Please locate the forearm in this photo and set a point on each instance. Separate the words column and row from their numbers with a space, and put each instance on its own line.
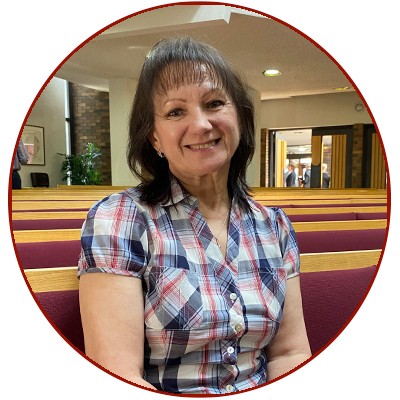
column 281, row 365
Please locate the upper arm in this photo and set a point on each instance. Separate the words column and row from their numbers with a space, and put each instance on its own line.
column 291, row 337
column 112, row 315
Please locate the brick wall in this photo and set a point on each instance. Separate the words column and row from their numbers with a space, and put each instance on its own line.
column 90, row 123
column 357, row 159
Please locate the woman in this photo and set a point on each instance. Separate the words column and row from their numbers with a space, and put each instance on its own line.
column 211, row 268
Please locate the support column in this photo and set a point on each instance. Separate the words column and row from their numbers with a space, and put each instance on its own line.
column 122, row 92
column 253, row 171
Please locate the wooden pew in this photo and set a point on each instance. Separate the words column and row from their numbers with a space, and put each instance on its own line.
column 66, row 203
column 46, row 235
column 41, row 215
column 296, row 191
column 55, row 194
column 333, row 210
column 326, row 202
column 65, row 278
column 262, row 194
column 325, row 313
column 24, row 215
column 31, row 236
column 50, row 205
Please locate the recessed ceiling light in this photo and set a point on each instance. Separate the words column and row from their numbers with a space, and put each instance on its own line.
column 341, row 88
column 272, row 72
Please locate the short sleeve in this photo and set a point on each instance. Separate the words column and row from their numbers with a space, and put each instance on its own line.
column 288, row 243
column 114, row 238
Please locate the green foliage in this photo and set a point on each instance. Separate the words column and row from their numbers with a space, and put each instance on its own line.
column 83, row 169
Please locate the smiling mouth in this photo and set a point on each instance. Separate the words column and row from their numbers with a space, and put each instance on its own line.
column 203, row 146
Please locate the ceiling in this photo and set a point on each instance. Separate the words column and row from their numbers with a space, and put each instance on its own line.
column 251, row 41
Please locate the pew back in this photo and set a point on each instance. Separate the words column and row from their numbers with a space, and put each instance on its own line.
column 51, row 235
column 330, row 300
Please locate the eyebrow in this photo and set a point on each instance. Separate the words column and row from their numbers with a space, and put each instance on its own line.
column 211, row 91
column 174, row 99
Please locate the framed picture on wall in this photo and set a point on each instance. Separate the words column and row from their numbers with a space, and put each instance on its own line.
column 33, row 139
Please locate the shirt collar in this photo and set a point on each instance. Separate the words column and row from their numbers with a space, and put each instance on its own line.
column 178, row 194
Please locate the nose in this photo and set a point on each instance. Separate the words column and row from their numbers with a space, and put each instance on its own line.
column 200, row 121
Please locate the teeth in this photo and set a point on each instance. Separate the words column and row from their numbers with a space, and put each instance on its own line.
column 203, row 146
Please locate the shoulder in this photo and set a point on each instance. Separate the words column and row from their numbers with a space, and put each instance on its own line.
column 272, row 215
column 123, row 205
column 117, row 215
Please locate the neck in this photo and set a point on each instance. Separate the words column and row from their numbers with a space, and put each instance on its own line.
column 211, row 192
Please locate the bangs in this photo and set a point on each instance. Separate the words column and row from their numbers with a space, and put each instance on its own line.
column 179, row 73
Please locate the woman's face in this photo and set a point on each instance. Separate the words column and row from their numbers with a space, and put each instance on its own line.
column 196, row 128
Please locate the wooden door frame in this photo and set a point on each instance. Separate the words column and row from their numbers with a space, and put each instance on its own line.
column 331, row 131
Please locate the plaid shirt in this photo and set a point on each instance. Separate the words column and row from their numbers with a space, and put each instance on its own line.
column 208, row 318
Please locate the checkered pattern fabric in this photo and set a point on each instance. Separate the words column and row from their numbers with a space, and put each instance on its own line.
column 208, row 317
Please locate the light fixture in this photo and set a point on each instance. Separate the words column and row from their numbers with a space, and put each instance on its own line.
column 272, row 72
column 341, row 88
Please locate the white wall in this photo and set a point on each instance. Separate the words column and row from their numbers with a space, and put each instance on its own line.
column 121, row 92
column 49, row 112
column 253, row 170
column 304, row 111
column 312, row 111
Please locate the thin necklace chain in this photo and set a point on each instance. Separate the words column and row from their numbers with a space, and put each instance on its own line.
column 223, row 227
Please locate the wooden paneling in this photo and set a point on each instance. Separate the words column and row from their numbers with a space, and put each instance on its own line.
column 378, row 170
column 338, row 166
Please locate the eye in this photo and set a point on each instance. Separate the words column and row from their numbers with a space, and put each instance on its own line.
column 176, row 112
column 215, row 103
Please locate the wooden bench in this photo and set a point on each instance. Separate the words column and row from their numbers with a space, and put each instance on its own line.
column 97, row 192
column 24, row 215
column 330, row 297
column 333, row 210
column 42, row 215
column 64, row 278
column 49, row 205
column 267, row 200
column 48, row 235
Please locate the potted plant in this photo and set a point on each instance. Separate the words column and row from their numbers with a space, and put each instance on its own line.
column 83, row 169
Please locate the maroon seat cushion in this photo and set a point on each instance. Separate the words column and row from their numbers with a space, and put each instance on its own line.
column 371, row 215
column 30, row 224
column 62, row 310
column 323, row 217
column 48, row 254
column 345, row 240
column 330, row 300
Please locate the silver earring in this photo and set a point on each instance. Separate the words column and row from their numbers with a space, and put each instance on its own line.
column 159, row 153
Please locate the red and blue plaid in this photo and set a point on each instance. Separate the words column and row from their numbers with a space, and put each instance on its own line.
column 208, row 317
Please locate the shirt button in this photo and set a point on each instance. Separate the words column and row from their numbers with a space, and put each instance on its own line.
column 238, row 328
column 229, row 388
column 230, row 350
column 233, row 296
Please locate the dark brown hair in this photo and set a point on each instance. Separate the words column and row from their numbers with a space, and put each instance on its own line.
column 171, row 63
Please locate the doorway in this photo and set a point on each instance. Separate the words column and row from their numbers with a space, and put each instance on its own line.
column 287, row 146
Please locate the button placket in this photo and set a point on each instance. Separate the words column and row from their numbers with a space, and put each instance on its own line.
column 229, row 388
column 228, row 352
column 233, row 297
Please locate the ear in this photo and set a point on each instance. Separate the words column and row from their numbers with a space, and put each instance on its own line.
column 154, row 140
